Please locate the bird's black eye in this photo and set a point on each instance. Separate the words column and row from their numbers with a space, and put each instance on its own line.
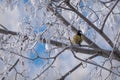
column 79, row 32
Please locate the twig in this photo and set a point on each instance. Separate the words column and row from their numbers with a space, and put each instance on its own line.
column 14, row 65
column 11, row 68
column 108, row 15
column 7, row 32
column 43, row 71
column 3, row 27
column 107, row 1
column 95, row 64
column 50, row 64
column 64, row 8
column 91, row 24
column 76, row 67
column 72, row 27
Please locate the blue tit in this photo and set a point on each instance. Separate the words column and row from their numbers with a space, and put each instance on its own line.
column 78, row 38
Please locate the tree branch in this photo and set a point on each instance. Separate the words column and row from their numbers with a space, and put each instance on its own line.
column 76, row 67
column 6, row 32
column 14, row 65
column 50, row 64
column 91, row 24
column 95, row 64
column 108, row 15
column 3, row 27
column 92, row 51
column 104, row 53
column 72, row 27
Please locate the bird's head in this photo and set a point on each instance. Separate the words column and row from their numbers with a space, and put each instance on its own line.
column 79, row 32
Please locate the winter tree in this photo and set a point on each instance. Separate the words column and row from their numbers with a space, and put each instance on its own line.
column 36, row 40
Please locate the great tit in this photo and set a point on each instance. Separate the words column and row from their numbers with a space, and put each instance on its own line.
column 78, row 38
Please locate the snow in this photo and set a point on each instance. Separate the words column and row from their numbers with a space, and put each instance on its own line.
column 31, row 18
column 10, row 19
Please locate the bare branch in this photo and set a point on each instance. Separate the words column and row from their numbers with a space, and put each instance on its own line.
column 92, row 25
column 3, row 27
column 65, row 8
column 102, row 52
column 107, row 1
column 6, row 32
column 72, row 27
column 108, row 15
column 76, row 67
column 89, row 62
column 16, row 54
column 14, row 65
column 44, row 70
column 50, row 64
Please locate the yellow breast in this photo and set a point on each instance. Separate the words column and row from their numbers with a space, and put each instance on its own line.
column 77, row 39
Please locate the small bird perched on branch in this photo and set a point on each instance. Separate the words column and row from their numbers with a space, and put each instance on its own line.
column 78, row 38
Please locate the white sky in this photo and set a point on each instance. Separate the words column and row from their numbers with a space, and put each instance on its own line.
column 10, row 19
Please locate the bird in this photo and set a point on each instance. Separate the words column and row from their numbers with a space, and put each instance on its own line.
column 78, row 38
